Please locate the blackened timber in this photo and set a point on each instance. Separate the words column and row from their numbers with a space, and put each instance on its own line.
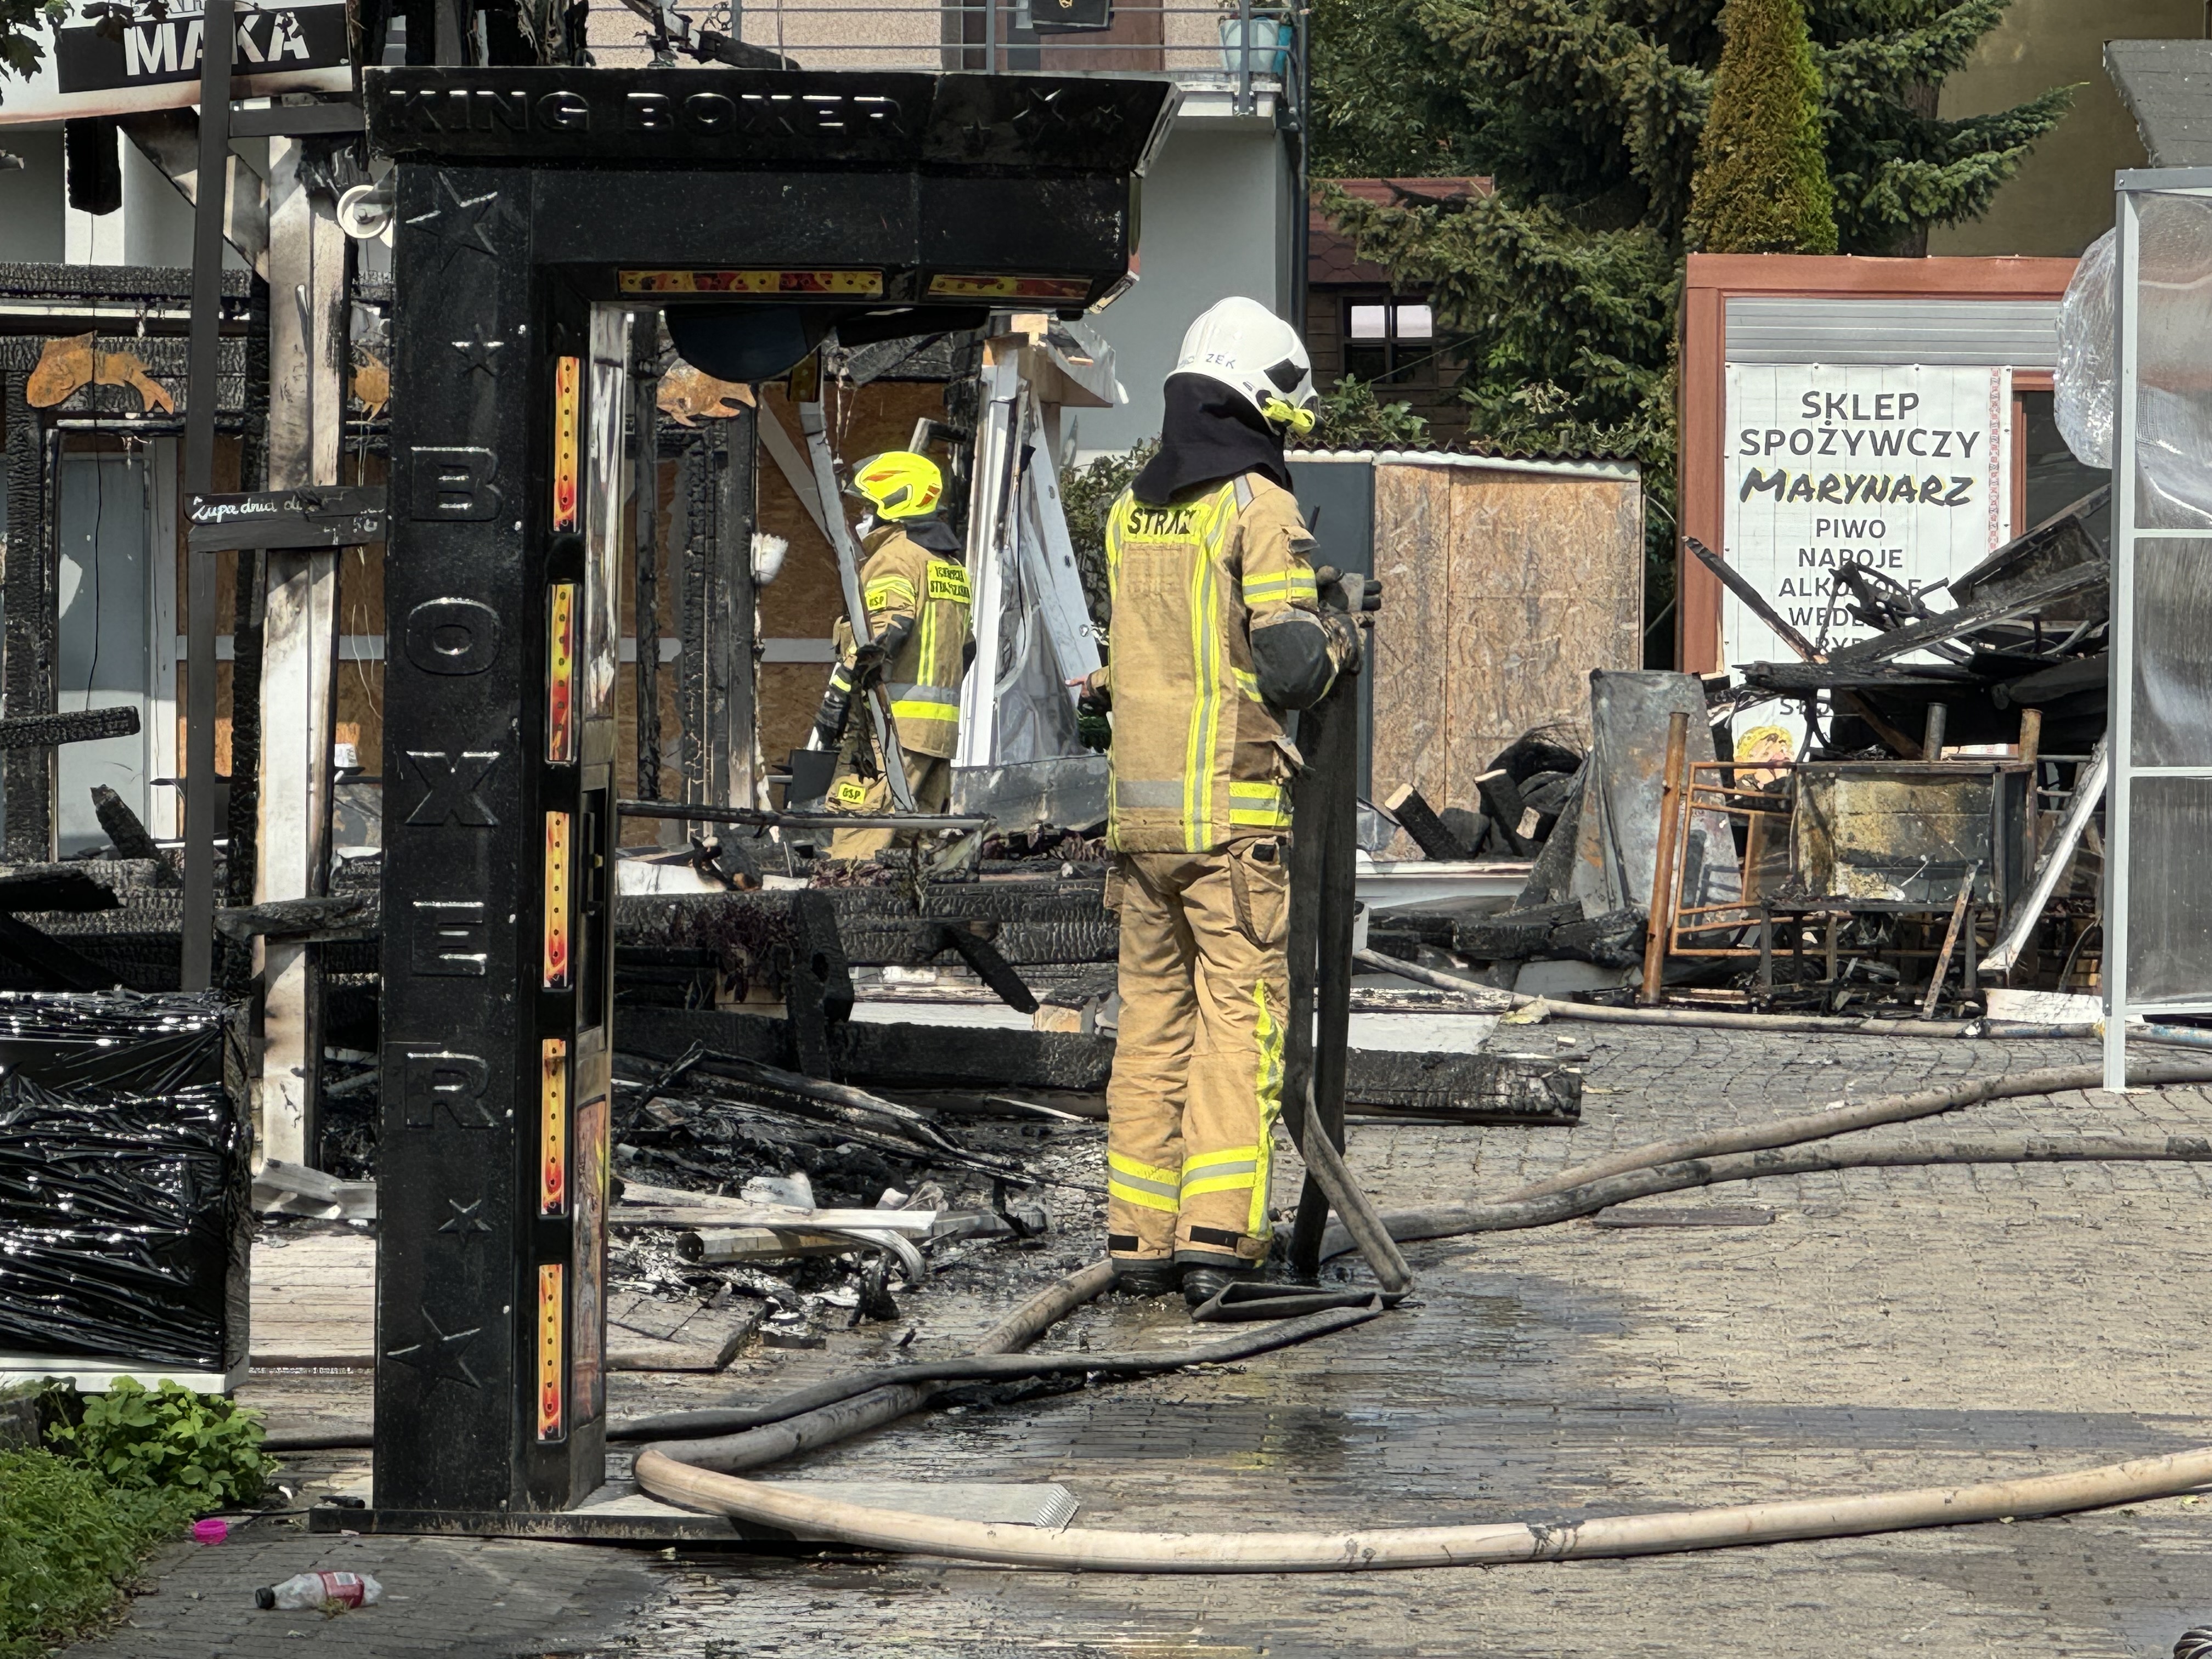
column 1418, row 819
column 1496, row 1089
column 645, row 510
column 122, row 827
column 993, row 970
column 2006, row 602
column 26, row 661
column 78, row 725
column 55, row 887
column 817, row 985
column 55, row 964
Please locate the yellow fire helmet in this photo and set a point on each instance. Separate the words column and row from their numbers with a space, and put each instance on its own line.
column 897, row 484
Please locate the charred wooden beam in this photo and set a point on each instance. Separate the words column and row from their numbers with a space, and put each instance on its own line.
column 56, row 965
column 1495, row 1089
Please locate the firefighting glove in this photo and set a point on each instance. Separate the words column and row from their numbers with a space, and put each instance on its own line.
column 1096, row 697
column 1347, row 591
column 1343, row 639
column 837, row 709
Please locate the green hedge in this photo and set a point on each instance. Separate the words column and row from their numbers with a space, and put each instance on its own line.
column 67, row 1540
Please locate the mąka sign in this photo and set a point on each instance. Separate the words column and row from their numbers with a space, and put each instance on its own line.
column 153, row 62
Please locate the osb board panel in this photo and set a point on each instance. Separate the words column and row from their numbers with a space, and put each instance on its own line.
column 1413, row 547
column 1502, row 592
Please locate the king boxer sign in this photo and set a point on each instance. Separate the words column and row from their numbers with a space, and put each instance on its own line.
column 153, row 62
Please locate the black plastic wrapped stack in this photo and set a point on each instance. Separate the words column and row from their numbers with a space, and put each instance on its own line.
column 125, row 1187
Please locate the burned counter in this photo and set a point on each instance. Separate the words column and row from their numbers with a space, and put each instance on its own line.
column 536, row 210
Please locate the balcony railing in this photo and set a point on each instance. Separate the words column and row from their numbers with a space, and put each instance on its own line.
column 1250, row 57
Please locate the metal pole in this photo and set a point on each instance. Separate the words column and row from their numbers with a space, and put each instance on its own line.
column 197, row 941
column 876, row 700
column 1244, row 56
column 2119, row 737
column 1323, row 825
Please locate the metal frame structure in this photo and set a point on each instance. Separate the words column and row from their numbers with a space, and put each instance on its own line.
column 2131, row 539
column 541, row 212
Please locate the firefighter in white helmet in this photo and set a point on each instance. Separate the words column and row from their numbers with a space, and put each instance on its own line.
column 1220, row 623
column 914, row 584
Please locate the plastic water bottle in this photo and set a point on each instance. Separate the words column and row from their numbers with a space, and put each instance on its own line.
column 306, row 1590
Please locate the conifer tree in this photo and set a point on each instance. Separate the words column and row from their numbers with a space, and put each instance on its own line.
column 1762, row 180
column 1589, row 115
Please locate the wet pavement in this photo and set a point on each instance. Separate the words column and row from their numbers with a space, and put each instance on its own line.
column 1888, row 1328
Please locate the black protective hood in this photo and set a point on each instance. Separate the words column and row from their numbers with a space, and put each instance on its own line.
column 1209, row 433
column 931, row 533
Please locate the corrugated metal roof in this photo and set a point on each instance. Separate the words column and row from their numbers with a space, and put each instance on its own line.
column 1993, row 333
column 1623, row 470
column 2167, row 87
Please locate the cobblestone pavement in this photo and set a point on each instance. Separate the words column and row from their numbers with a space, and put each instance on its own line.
column 1889, row 1327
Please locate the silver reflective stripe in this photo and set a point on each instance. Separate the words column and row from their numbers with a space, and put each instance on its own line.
column 1243, row 492
column 1208, row 1171
column 947, row 695
column 1123, row 1178
column 1141, row 792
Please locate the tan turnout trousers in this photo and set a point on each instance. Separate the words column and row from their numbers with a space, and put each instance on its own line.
column 930, row 778
column 1198, row 1072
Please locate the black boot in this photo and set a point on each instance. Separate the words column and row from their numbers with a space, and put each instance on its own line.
column 1147, row 1276
column 1201, row 1285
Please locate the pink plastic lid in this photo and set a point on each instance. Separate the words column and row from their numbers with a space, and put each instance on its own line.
column 212, row 1529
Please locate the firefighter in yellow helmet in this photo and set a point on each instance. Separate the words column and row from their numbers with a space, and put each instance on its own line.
column 1219, row 627
column 914, row 584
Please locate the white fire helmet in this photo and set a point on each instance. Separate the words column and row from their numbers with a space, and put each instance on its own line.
column 1246, row 347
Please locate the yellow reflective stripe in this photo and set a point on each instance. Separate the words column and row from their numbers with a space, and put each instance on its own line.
column 1142, row 1198
column 887, row 590
column 948, row 581
column 1228, row 1171
column 926, row 711
column 1259, row 805
column 1230, row 1157
column 1145, row 1185
column 841, row 678
column 1286, row 589
column 1267, row 1035
column 1122, row 1163
column 1248, row 683
column 1221, row 1183
column 1208, row 661
column 925, row 659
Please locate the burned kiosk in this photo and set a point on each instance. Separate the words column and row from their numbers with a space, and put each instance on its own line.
column 538, row 212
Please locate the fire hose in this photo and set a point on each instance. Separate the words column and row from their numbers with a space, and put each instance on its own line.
column 1733, row 1154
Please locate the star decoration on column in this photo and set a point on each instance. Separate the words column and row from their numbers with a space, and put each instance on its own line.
column 459, row 219
column 464, row 1220
column 439, row 1356
column 478, row 351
